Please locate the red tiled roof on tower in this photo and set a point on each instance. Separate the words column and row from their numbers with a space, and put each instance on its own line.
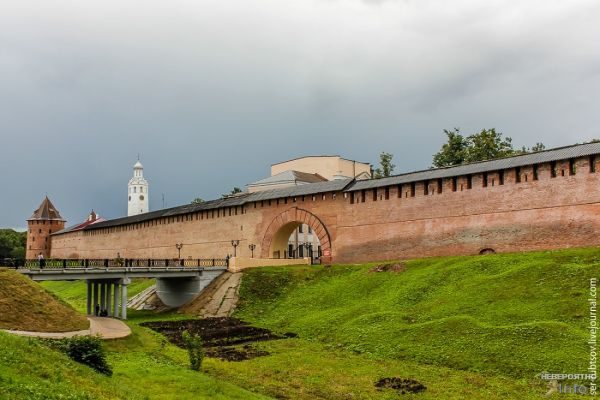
column 46, row 211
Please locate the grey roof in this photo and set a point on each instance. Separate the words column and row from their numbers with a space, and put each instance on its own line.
column 561, row 153
column 289, row 176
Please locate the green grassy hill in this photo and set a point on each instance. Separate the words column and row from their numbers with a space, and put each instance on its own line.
column 513, row 315
column 25, row 305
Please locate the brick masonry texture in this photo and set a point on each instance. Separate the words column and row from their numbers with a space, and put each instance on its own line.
column 381, row 224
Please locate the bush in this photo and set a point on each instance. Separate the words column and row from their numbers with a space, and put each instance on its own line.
column 87, row 350
column 193, row 344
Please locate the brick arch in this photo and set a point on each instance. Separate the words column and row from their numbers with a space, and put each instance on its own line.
column 300, row 216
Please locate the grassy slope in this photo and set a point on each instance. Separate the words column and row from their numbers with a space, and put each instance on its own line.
column 467, row 327
column 75, row 292
column 24, row 305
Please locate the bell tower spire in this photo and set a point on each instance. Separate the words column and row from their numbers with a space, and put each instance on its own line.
column 137, row 191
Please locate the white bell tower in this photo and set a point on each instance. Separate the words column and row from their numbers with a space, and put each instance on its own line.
column 138, row 191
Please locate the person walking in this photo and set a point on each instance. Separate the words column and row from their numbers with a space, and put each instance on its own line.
column 42, row 261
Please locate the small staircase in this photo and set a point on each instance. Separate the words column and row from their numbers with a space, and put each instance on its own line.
column 218, row 299
column 146, row 300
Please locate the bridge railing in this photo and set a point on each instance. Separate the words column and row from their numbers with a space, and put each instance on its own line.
column 148, row 263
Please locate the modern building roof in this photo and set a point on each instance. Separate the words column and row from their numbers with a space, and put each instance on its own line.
column 46, row 211
column 348, row 185
column 320, row 156
column 290, row 176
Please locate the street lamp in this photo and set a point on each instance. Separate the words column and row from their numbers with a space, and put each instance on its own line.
column 235, row 244
column 178, row 246
column 308, row 247
column 252, row 247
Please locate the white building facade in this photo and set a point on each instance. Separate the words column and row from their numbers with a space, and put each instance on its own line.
column 137, row 192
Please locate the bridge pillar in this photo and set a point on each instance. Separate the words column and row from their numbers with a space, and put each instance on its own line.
column 109, row 295
column 95, row 298
column 89, row 297
column 102, row 296
column 124, row 283
column 116, row 301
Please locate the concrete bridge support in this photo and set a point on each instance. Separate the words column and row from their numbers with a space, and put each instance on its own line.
column 107, row 295
column 175, row 292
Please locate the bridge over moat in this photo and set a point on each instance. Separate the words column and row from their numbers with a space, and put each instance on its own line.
column 177, row 281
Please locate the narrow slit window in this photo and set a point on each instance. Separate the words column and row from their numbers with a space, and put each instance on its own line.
column 469, row 181
column 413, row 189
column 592, row 164
column 440, row 184
column 363, row 196
column 374, row 194
column 387, row 192
column 454, row 183
column 518, row 174
column 501, row 177
column 484, row 179
column 572, row 167
column 426, row 188
column 535, row 172
column 553, row 171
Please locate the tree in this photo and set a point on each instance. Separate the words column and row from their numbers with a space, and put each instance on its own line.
column 484, row 145
column 454, row 151
column 233, row 192
column 198, row 200
column 12, row 243
column 487, row 145
column 386, row 167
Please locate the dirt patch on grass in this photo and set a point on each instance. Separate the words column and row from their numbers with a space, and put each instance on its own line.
column 392, row 267
column 225, row 338
column 402, row 385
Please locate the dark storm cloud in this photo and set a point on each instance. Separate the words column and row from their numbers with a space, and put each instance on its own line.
column 212, row 92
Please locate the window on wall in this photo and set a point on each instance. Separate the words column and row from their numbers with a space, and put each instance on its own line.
column 454, row 183
column 592, row 162
column 134, row 189
column 484, row 179
column 426, row 188
column 387, row 192
column 572, row 167
column 518, row 174
column 440, row 185
column 300, row 229
column 399, row 188
column 351, row 197
column 469, row 181
column 363, row 196
column 501, row 177
column 553, row 169
column 374, row 194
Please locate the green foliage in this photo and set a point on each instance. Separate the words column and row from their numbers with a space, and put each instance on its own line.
column 198, row 200
column 385, row 165
column 86, row 350
column 193, row 344
column 233, row 192
column 12, row 243
column 484, row 145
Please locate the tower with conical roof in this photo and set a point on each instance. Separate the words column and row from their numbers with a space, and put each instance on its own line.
column 45, row 221
column 137, row 202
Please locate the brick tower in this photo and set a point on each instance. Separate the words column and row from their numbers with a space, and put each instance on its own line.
column 44, row 221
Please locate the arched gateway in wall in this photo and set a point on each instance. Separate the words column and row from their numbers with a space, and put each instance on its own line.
column 276, row 237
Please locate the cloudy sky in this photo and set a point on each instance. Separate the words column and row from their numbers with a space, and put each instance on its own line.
column 210, row 93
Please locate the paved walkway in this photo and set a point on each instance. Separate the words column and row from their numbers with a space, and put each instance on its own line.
column 107, row 328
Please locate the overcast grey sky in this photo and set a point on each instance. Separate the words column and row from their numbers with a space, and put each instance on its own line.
column 213, row 92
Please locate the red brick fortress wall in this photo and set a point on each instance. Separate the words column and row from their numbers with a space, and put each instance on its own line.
column 515, row 209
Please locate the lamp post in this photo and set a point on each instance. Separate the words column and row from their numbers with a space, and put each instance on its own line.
column 235, row 244
column 178, row 246
column 308, row 247
column 252, row 247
